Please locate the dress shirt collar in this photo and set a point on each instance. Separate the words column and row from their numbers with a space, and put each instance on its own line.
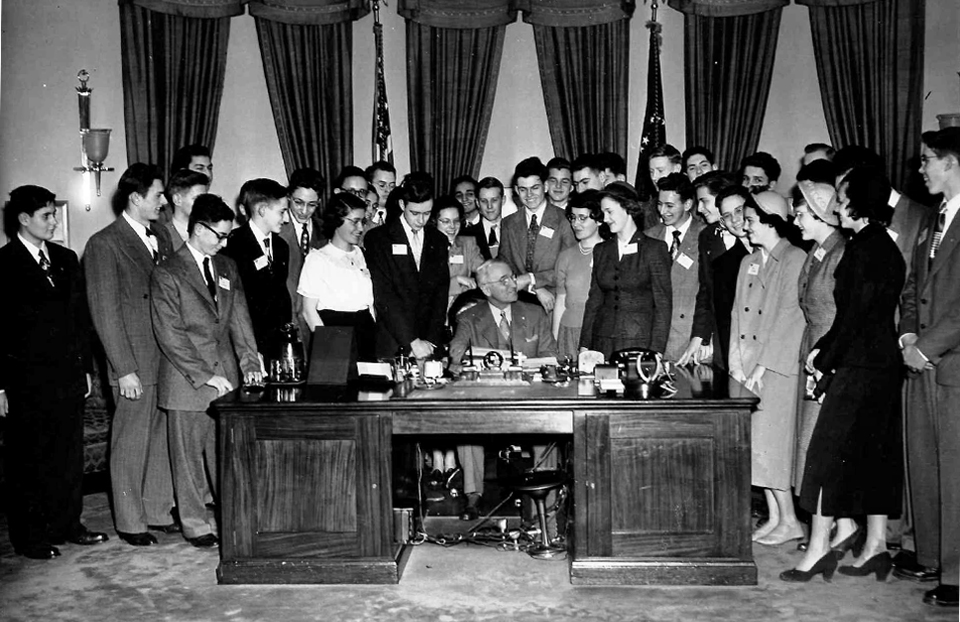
column 259, row 235
column 506, row 312
column 951, row 208
column 35, row 250
column 894, row 198
column 474, row 219
column 682, row 229
column 198, row 257
column 141, row 232
column 409, row 231
column 488, row 225
column 528, row 213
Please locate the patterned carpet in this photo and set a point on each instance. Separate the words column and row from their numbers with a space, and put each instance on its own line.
column 176, row 582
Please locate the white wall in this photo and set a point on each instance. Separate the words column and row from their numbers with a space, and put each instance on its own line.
column 45, row 42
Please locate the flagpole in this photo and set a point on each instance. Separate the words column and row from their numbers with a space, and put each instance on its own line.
column 654, row 129
column 382, row 143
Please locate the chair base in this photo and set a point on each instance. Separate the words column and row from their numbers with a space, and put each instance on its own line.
column 548, row 552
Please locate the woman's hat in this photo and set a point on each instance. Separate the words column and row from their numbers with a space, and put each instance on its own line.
column 820, row 200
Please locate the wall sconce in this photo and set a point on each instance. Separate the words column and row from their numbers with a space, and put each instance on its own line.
column 95, row 143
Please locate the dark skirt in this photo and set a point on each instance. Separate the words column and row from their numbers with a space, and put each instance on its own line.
column 856, row 453
column 365, row 334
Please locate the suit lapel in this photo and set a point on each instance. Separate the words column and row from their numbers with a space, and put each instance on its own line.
column 133, row 246
column 948, row 244
column 190, row 273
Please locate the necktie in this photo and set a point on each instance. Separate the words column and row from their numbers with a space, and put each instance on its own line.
column 504, row 330
column 492, row 238
column 304, row 240
column 266, row 245
column 45, row 266
column 938, row 232
column 152, row 241
column 675, row 247
column 208, row 276
column 532, row 232
column 417, row 247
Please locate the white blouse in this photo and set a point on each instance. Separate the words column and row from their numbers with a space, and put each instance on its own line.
column 339, row 281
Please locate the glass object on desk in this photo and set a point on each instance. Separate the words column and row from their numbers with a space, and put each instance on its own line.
column 288, row 366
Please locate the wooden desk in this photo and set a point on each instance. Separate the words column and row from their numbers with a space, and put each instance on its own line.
column 661, row 492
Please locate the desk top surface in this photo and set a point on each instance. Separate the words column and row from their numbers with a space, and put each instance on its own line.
column 697, row 386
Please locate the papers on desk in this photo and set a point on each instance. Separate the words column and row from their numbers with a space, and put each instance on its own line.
column 534, row 363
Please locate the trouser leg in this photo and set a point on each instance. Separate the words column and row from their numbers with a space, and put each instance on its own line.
column 949, row 452
column 923, row 467
column 158, row 477
column 64, row 477
column 189, row 433
column 471, row 459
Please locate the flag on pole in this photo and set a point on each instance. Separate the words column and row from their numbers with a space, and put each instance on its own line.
column 382, row 142
column 654, row 132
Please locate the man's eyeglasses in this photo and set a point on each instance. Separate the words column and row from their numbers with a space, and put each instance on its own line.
column 220, row 236
column 504, row 280
column 300, row 203
column 357, row 192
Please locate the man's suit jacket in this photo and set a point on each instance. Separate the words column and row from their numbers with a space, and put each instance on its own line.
column 710, row 246
column 530, row 332
column 630, row 300
column 908, row 217
column 118, row 266
column 410, row 303
column 476, row 231
column 684, row 283
column 931, row 300
column 199, row 338
column 175, row 239
column 268, row 299
column 290, row 233
column 513, row 246
column 44, row 328
column 724, row 269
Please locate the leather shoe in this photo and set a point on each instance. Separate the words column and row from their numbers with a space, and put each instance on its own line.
column 205, row 541
column 39, row 551
column 85, row 537
column 943, row 596
column 137, row 539
column 168, row 529
column 905, row 566
column 471, row 511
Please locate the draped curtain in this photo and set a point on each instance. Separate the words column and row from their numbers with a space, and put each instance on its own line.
column 173, row 63
column 729, row 50
column 869, row 56
column 307, row 50
column 453, row 62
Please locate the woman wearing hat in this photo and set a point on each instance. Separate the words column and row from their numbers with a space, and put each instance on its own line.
column 815, row 218
column 766, row 326
column 854, row 463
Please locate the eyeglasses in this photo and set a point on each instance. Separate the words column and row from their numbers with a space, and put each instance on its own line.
column 734, row 215
column 356, row 221
column 300, row 203
column 924, row 159
column 504, row 280
column 220, row 236
column 357, row 192
column 579, row 218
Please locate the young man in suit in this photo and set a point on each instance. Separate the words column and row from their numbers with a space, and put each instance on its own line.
column 382, row 177
column 184, row 186
column 411, row 277
column 118, row 262
column 487, row 232
column 44, row 377
column 681, row 231
column 930, row 329
column 502, row 323
column 698, row 161
column 587, row 174
column 303, row 232
column 534, row 236
column 203, row 327
column 465, row 188
column 559, row 182
column 195, row 158
column 263, row 260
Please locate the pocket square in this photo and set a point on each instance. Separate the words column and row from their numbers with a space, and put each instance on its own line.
column 531, row 338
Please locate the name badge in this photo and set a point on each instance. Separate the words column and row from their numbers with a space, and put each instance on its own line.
column 893, row 234
column 754, row 269
column 399, row 249
column 223, row 283
column 819, row 254
column 261, row 262
column 546, row 232
column 684, row 261
column 923, row 237
column 630, row 249
column 456, row 259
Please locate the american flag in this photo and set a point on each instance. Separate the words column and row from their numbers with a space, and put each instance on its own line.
column 654, row 131
column 382, row 143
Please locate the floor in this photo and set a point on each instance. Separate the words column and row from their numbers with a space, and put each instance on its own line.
column 176, row 582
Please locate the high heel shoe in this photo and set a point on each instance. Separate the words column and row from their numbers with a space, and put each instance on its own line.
column 826, row 565
column 854, row 541
column 880, row 564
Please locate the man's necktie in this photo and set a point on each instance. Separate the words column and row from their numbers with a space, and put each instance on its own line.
column 45, row 266
column 417, row 247
column 938, row 232
column 532, row 233
column 675, row 247
column 266, row 245
column 304, row 240
column 505, row 330
column 492, row 238
column 208, row 276
column 152, row 240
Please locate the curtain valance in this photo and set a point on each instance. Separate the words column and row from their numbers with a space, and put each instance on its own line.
column 726, row 8
column 574, row 13
column 832, row 3
column 462, row 15
column 316, row 12
column 192, row 8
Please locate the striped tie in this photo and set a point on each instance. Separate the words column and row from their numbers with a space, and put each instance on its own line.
column 938, row 232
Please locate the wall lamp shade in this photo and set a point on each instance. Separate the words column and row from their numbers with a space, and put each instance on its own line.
column 96, row 145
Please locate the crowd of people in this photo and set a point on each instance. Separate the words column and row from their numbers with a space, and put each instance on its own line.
column 837, row 307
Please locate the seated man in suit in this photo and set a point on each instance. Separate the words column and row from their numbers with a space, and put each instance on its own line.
column 44, row 377
column 182, row 189
column 262, row 258
column 534, row 236
column 504, row 324
column 681, row 231
column 203, row 327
